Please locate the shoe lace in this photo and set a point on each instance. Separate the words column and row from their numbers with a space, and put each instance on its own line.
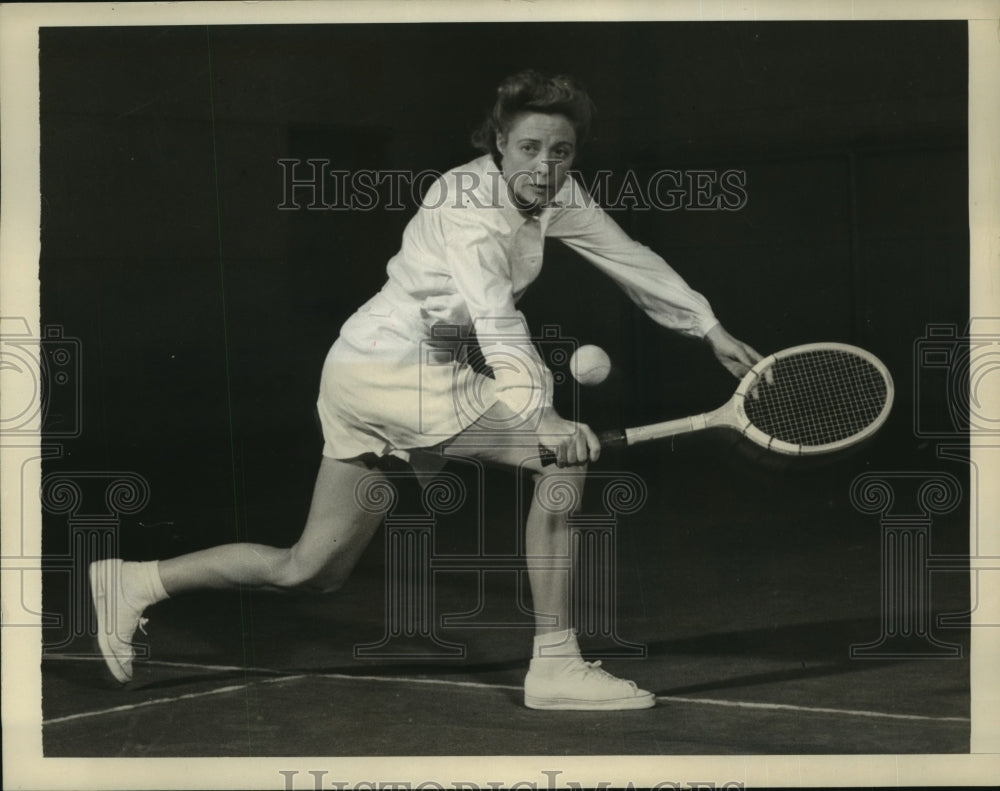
column 142, row 625
column 594, row 668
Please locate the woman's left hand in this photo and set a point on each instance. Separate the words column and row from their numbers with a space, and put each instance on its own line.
column 735, row 356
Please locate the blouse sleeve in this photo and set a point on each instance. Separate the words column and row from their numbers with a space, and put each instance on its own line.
column 481, row 272
column 647, row 279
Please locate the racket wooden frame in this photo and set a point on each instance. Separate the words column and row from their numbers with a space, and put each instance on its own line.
column 732, row 415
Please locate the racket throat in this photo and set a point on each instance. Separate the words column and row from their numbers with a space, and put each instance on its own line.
column 676, row 428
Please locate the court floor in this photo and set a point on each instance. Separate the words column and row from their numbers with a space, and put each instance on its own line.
column 740, row 619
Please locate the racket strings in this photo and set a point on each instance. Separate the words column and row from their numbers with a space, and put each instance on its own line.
column 818, row 397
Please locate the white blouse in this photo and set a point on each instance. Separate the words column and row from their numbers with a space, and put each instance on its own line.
column 466, row 258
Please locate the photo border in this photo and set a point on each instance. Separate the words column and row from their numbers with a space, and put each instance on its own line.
column 24, row 766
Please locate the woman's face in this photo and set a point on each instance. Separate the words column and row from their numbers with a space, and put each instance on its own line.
column 536, row 154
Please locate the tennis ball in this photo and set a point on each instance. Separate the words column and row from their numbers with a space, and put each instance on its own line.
column 590, row 365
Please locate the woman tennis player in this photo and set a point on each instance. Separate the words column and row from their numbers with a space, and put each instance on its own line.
column 468, row 254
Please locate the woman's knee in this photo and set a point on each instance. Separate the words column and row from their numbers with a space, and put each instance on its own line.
column 343, row 517
column 303, row 574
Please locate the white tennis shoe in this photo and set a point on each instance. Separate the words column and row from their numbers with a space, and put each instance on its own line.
column 117, row 619
column 576, row 684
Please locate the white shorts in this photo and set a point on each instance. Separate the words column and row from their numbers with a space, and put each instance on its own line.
column 385, row 390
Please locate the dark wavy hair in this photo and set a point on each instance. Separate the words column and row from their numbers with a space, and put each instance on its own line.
column 531, row 91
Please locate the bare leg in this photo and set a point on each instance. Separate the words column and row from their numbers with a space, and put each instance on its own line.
column 547, row 536
column 547, row 545
column 337, row 531
column 557, row 678
column 341, row 522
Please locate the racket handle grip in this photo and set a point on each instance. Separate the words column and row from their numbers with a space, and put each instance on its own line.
column 547, row 456
column 613, row 438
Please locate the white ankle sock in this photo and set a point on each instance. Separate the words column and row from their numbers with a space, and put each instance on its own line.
column 556, row 645
column 141, row 584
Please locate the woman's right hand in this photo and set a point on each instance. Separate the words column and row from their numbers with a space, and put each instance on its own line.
column 571, row 443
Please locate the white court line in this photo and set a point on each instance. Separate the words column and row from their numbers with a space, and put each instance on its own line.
column 811, row 709
column 411, row 680
column 463, row 684
column 158, row 701
column 164, row 663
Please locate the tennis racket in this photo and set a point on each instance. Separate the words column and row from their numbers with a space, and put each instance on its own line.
column 809, row 399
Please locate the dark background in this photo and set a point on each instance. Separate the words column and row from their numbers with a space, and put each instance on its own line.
column 204, row 313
